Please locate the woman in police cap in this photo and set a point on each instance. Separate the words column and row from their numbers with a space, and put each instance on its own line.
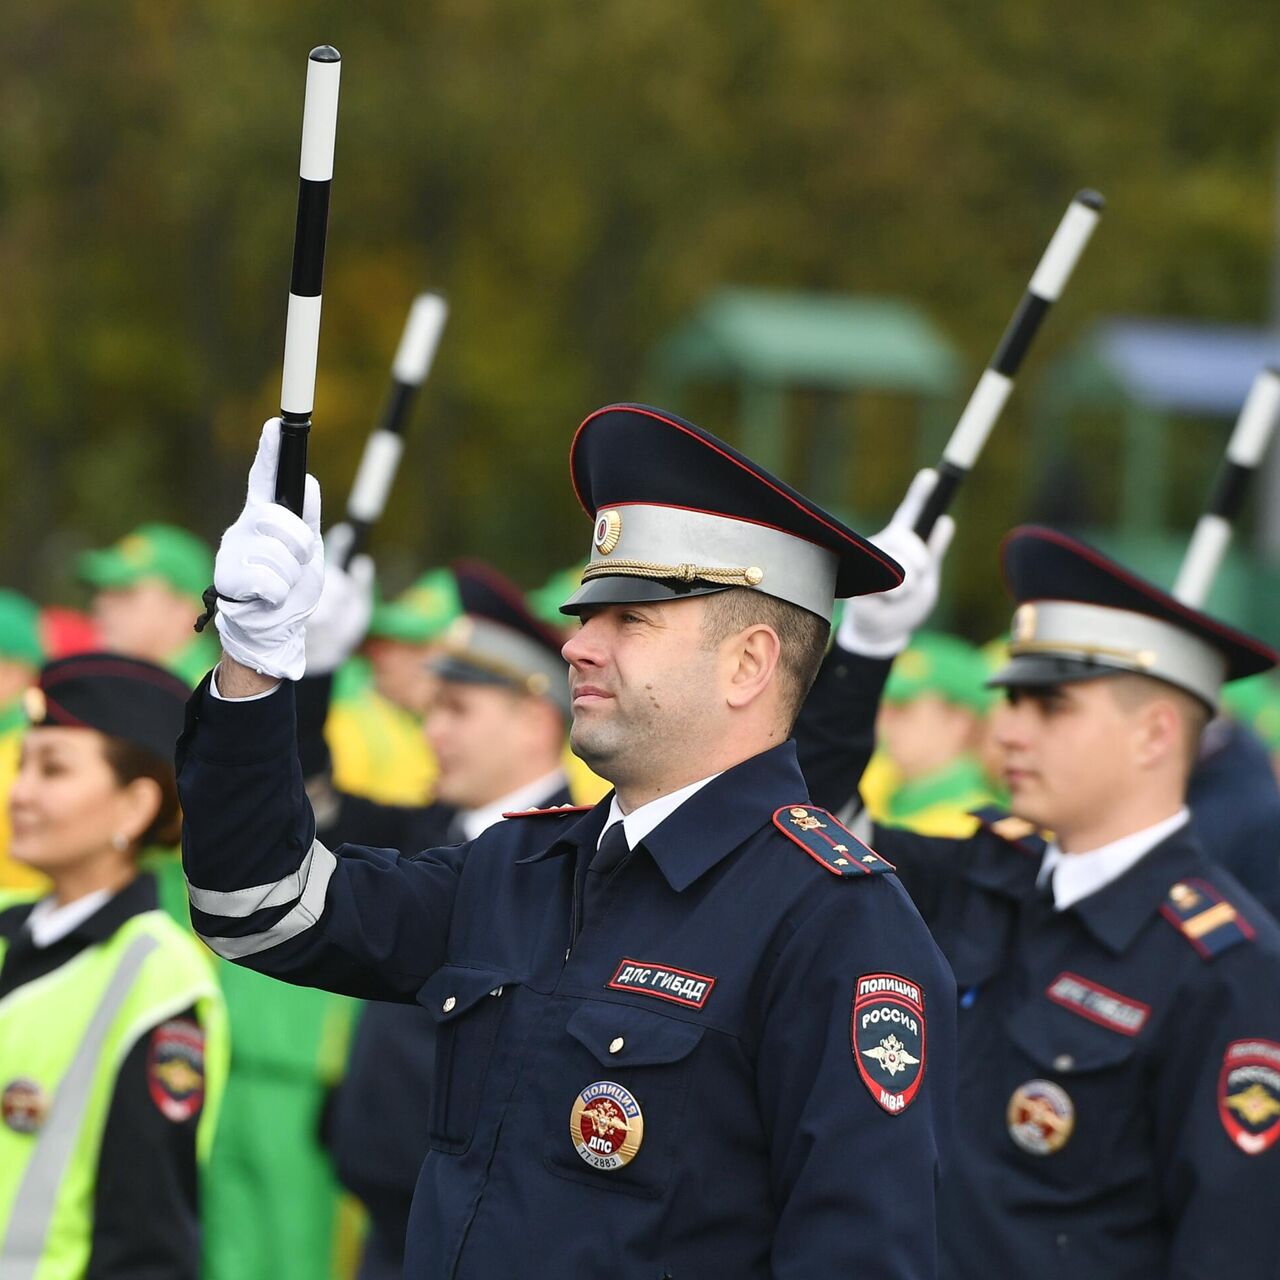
column 112, row 1032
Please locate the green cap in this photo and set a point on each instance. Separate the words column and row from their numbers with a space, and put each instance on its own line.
column 943, row 665
column 161, row 551
column 1256, row 702
column 421, row 612
column 545, row 601
column 20, row 629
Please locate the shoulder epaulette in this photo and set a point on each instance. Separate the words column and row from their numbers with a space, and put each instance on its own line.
column 556, row 811
column 1018, row 832
column 1205, row 918
column 828, row 842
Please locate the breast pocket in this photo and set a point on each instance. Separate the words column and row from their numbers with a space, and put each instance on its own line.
column 467, row 1006
column 1075, row 1110
column 615, row 1107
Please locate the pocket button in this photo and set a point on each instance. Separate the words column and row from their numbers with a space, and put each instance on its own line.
column 450, row 1004
column 616, row 1045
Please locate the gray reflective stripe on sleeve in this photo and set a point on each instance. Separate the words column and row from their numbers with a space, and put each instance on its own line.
column 320, row 864
column 33, row 1205
column 238, row 903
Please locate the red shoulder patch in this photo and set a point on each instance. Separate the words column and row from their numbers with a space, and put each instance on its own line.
column 175, row 1069
column 556, row 811
column 1249, row 1094
column 888, row 1035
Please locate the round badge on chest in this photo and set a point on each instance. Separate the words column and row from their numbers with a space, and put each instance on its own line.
column 1041, row 1117
column 24, row 1105
column 606, row 1125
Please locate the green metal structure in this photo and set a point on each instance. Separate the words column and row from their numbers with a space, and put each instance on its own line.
column 1150, row 376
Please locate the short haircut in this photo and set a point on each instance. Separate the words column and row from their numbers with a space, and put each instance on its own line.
column 802, row 635
column 1135, row 691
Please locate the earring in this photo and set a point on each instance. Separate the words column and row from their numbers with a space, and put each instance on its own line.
column 119, row 842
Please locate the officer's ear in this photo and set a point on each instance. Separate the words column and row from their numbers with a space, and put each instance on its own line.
column 752, row 661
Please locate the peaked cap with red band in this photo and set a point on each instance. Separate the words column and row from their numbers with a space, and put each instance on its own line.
column 121, row 697
column 498, row 640
column 680, row 513
column 1082, row 616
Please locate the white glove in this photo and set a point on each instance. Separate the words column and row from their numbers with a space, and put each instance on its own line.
column 341, row 618
column 269, row 571
column 880, row 626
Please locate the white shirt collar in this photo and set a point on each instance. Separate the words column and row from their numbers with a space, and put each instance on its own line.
column 639, row 822
column 49, row 923
column 1077, row 875
column 475, row 822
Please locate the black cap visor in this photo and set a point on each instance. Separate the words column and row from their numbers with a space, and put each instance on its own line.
column 1045, row 670
column 623, row 589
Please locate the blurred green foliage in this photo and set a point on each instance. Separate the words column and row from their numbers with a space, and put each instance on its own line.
column 575, row 177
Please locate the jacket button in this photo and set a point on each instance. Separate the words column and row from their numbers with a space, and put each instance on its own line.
column 450, row 1005
column 1064, row 1062
column 616, row 1045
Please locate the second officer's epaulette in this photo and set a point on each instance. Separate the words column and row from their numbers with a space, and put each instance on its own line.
column 555, row 811
column 828, row 842
column 1205, row 918
column 1005, row 826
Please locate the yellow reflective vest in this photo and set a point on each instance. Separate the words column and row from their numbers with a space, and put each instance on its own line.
column 63, row 1038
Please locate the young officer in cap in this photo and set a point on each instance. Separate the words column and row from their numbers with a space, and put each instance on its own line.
column 497, row 726
column 113, row 1046
column 1119, row 991
column 147, row 589
column 696, row 1030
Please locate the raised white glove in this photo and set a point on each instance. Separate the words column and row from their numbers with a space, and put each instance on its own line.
column 269, row 571
column 880, row 626
column 341, row 618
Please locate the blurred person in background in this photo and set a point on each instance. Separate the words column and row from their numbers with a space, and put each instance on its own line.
column 378, row 699
column 113, row 1041
column 21, row 654
column 1256, row 703
column 1234, row 794
column 497, row 725
column 931, row 726
column 147, row 595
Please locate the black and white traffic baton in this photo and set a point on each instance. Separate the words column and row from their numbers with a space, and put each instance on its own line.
column 989, row 396
column 302, row 327
column 1245, row 450
column 383, row 449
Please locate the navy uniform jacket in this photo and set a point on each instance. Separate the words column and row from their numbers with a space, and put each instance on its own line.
column 1152, row 1007
column 764, row 1153
column 380, row 1131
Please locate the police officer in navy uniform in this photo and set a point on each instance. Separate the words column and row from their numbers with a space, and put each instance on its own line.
column 695, row 1030
column 497, row 728
column 1119, row 991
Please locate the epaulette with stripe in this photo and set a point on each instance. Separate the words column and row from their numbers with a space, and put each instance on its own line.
column 829, row 842
column 1205, row 918
column 556, row 811
column 1018, row 832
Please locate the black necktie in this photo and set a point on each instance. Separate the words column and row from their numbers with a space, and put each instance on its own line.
column 611, row 853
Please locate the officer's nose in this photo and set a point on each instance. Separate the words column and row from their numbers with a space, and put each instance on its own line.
column 582, row 648
column 1009, row 723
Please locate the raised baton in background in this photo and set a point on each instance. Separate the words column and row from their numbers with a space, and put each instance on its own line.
column 302, row 327
column 993, row 387
column 385, row 445
column 1245, row 450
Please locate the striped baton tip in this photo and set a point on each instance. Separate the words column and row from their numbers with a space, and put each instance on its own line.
column 324, row 53
column 1093, row 199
